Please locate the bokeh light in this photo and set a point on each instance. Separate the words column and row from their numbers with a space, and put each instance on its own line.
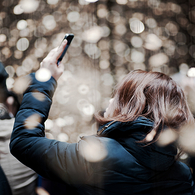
column 22, row 44
column 29, row 6
column 91, row 1
column 191, row 72
column 136, row 25
column 92, row 151
column 43, row 75
column 18, row 10
column 22, row 24
column 32, row 121
column 167, row 137
column 21, row 84
column 93, row 35
column 186, row 139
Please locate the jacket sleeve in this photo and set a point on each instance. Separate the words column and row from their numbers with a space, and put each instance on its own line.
column 55, row 160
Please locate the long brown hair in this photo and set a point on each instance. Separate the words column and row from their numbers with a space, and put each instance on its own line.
column 153, row 95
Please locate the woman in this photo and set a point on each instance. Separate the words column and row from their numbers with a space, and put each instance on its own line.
column 123, row 158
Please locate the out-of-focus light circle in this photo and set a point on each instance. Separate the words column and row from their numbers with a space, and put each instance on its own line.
column 137, row 56
column 91, row 1
column 25, row 32
column 120, row 48
column 21, row 84
column 63, row 137
column 182, row 50
column 18, row 10
column 191, row 72
column 32, row 121
column 6, row 51
column 169, row 47
column 18, row 54
column 107, row 79
column 162, row 33
column 92, row 150
column 136, row 41
column 104, row 64
column 29, row 6
column 83, row 89
column 10, row 83
column 20, row 71
column 39, row 96
column 52, row 2
column 172, row 28
column 22, row 24
column 43, row 75
column 136, row 25
column 69, row 120
column 28, row 64
column 153, row 3
column 175, row 8
column 83, row 2
column 106, row 31
column 153, row 42
column 40, row 30
column 92, row 50
column 120, row 29
column 41, row 43
column 158, row 60
column 122, row 2
column 102, row 12
column 41, row 190
column 186, row 138
column 22, row 44
column 167, row 137
column 49, row 124
column 39, row 52
column 139, row 66
column 93, row 35
column 10, row 70
column 60, row 122
column 183, row 68
column 88, row 109
column 2, row 38
column 184, row 156
column 180, row 38
column 49, row 22
column 113, row 16
column 58, row 16
column 151, row 23
column 138, row 15
column 73, row 16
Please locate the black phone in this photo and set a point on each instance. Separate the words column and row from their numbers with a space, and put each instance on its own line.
column 69, row 38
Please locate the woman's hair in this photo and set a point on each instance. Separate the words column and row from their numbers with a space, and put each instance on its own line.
column 153, row 95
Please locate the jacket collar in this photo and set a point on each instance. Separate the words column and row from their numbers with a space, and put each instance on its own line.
column 125, row 127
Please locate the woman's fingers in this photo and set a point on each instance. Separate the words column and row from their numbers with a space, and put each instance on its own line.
column 60, row 49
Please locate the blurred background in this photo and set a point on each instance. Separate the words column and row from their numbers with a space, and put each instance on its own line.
column 112, row 37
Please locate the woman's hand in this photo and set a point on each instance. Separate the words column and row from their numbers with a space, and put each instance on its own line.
column 50, row 61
